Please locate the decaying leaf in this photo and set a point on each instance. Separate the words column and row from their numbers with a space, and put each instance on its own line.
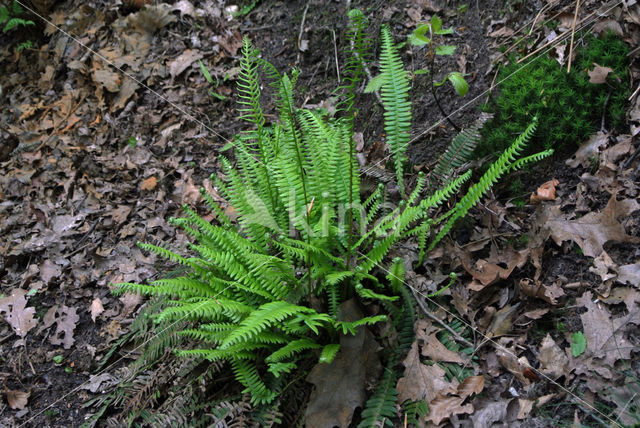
column 599, row 74
column 16, row 313
column 184, row 60
column 17, row 399
column 546, row 192
column 96, row 308
column 553, row 360
column 594, row 229
column 340, row 385
column 588, row 149
column 629, row 274
column 420, row 381
column 432, row 347
column 607, row 336
column 549, row 293
column 65, row 319
column 445, row 405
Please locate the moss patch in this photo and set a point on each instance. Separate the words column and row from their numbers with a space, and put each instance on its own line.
column 568, row 106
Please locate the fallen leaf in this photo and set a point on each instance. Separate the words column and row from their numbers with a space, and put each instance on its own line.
column 607, row 335
column 594, row 229
column 65, row 319
column 420, row 381
column 553, row 360
column 340, row 385
column 149, row 183
column 183, row 61
column 629, row 274
column 548, row 293
column 546, row 192
column 599, row 74
column 16, row 313
column 443, row 407
column 432, row 347
column 109, row 80
column 98, row 383
column 17, row 399
column 524, row 408
column 502, row 321
column 96, row 308
column 588, row 149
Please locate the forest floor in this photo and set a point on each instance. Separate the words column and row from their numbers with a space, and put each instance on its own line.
column 108, row 126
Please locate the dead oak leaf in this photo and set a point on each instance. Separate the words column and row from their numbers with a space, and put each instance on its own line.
column 444, row 406
column 553, row 360
column 629, row 274
column 498, row 266
column 599, row 74
column 65, row 319
column 340, row 385
column 588, row 150
column 17, row 399
column 592, row 230
column 607, row 335
column 16, row 313
column 183, row 61
column 420, row 381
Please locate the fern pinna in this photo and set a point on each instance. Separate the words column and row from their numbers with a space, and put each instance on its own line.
column 263, row 291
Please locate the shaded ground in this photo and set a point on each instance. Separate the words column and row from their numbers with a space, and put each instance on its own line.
column 95, row 160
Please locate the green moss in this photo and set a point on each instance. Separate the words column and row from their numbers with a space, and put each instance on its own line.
column 569, row 107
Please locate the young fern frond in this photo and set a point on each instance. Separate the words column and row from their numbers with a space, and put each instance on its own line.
column 506, row 162
column 460, row 150
column 397, row 108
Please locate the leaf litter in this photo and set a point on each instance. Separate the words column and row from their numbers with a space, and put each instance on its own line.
column 75, row 198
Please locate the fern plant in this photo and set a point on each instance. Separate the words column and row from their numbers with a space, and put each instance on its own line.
column 262, row 292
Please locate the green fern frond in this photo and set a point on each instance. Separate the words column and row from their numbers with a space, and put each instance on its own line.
column 292, row 348
column 460, row 150
column 397, row 108
column 261, row 319
column 380, row 408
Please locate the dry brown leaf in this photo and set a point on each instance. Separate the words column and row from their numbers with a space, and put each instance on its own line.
column 553, row 361
column 149, row 183
column 502, row 321
column 607, row 25
column 599, row 74
column 486, row 272
column 183, row 61
column 546, row 192
column 340, row 385
column 471, row 385
column 65, row 319
column 432, row 347
column 588, row 149
column 16, row 313
column 629, row 274
column 109, row 80
column 17, row 399
column 442, row 407
column 607, row 336
column 592, row 230
column 420, row 381
column 548, row 293
column 96, row 308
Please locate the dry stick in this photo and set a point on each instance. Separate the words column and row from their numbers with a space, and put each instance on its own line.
column 304, row 17
column 552, row 42
column 573, row 32
column 335, row 51
column 428, row 313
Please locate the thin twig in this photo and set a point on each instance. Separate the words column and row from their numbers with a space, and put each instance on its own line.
column 335, row 51
column 428, row 313
column 304, row 18
column 573, row 32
